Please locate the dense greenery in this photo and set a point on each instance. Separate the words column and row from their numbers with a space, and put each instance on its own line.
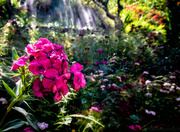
column 132, row 78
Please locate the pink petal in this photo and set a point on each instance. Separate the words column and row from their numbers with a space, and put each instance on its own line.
column 83, row 82
column 25, row 58
column 65, row 67
column 58, row 47
column 57, row 97
column 77, row 87
column 38, row 94
column 47, row 48
column 14, row 66
column 29, row 49
column 78, row 78
column 47, row 83
column 46, row 64
column 57, row 64
column 51, row 73
column 17, row 64
column 34, row 67
column 66, row 76
column 44, row 41
column 37, row 85
column 55, row 89
column 40, row 54
column 59, row 82
column 76, row 67
column 64, row 89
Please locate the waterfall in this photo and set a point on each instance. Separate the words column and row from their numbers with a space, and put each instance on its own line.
column 63, row 12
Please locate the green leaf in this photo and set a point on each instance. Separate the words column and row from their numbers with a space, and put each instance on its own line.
column 86, row 117
column 14, row 74
column 15, row 56
column 13, row 125
column 9, row 90
column 29, row 117
column 18, row 88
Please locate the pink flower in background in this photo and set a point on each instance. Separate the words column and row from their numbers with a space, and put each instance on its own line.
column 28, row 129
column 3, row 101
column 42, row 125
column 135, row 127
column 95, row 108
column 150, row 112
column 137, row 63
column 100, row 51
column 145, row 72
column 16, row 79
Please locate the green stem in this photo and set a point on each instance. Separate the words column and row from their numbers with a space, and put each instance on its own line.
column 9, row 108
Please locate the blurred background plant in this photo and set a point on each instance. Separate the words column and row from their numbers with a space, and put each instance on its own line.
column 138, row 81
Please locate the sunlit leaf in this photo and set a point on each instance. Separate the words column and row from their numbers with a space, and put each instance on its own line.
column 29, row 117
column 18, row 88
column 13, row 125
column 89, row 118
column 9, row 90
column 15, row 56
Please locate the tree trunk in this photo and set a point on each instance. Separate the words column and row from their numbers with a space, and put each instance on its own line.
column 9, row 8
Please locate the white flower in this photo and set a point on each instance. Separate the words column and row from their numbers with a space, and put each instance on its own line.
column 172, row 77
column 95, row 76
column 100, row 71
column 3, row 100
column 171, row 90
column 91, row 78
column 150, row 112
column 145, row 72
column 101, row 74
column 102, row 87
column 137, row 63
column 119, row 78
column 147, row 82
column 178, row 99
column 167, row 84
column 42, row 125
column 148, row 94
column 114, row 85
column 153, row 76
column 111, row 75
column 178, row 88
column 105, row 80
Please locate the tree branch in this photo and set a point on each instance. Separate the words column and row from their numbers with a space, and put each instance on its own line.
column 104, row 6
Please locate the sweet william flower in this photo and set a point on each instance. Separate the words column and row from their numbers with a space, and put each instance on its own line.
column 28, row 129
column 79, row 81
column 3, row 101
column 100, row 51
column 95, row 109
column 135, row 127
column 52, row 80
column 76, row 67
column 20, row 62
column 42, row 125
column 62, row 91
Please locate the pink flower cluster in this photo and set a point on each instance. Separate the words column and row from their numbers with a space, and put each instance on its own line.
column 49, row 60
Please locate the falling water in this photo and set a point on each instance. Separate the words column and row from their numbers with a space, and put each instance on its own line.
column 63, row 12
